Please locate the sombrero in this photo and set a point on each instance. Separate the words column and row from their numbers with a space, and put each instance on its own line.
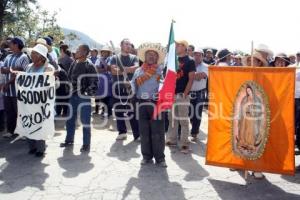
column 43, row 42
column 160, row 50
column 106, row 48
column 256, row 55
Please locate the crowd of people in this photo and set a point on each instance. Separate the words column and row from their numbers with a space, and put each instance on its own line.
column 124, row 85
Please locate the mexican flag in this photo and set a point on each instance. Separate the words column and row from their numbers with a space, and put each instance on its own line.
column 167, row 88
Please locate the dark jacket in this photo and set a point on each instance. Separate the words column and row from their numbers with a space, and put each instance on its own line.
column 89, row 80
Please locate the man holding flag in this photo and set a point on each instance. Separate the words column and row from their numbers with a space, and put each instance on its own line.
column 176, row 87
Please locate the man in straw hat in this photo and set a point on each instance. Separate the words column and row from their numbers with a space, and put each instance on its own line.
column 180, row 112
column 145, row 83
column 105, row 82
column 265, row 52
column 258, row 60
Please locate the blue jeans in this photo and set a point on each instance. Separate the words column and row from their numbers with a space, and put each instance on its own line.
column 197, row 101
column 83, row 106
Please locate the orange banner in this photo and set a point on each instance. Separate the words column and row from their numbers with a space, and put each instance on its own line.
column 251, row 119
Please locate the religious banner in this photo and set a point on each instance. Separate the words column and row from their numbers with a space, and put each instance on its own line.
column 36, row 98
column 251, row 119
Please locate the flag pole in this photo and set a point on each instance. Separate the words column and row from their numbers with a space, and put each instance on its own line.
column 252, row 44
column 252, row 47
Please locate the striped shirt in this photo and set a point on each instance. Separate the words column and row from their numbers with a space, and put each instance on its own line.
column 13, row 61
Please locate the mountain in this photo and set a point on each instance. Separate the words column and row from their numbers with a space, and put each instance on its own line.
column 74, row 38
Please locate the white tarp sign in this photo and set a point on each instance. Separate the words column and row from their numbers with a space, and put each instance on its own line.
column 36, row 98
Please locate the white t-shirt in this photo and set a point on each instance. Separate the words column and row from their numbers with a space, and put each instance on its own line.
column 200, row 85
column 54, row 56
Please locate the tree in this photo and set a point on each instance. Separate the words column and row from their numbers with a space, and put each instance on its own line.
column 25, row 18
column 9, row 9
column 48, row 25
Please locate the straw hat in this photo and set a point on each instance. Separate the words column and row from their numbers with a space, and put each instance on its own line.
column 43, row 42
column 106, row 48
column 160, row 50
column 264, row 48
column 256, row 55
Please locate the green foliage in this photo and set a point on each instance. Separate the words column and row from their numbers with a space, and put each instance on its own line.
column 25, row 18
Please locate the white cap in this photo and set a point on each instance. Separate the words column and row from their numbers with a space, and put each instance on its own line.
column 199, row 50
column 41, row 49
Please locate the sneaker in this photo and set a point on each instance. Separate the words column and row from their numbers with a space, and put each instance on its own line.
column 162, row 164
column 85, row 148
column 39, row 154
column 185, row 149
column 122, row 136
column 145, row 162
column 7, row 135
column 194, row 138
column 32, row 151
column 168, row 143
column 66, row 144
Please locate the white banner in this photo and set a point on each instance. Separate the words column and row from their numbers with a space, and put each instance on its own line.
column 36, row 98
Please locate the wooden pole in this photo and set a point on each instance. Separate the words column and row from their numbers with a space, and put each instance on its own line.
column 252, row 51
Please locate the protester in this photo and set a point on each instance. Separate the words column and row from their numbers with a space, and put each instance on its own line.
column 198, row 92
column 237, row 60
column 50, row 55
column 65, row 60
column 180, row 113
column 104, row 92
column 209, row 57
column 56, row 50
column 281, row 60
column 93, row 55
column 51, row 50
column 224, row 57
column 39, row 65
column 82, row 90
column 16, row 61
column 265, row 52
column 121, row 96
column 258, row 60
column 298, row 59
column 292, row 58
column 2, row 111
column 190, row 50
column 297, row 108
column 4, row 48
column 145, row 82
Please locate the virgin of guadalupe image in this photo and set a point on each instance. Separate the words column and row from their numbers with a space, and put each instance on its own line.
column 249, row 136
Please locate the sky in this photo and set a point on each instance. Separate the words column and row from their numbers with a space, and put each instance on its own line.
column 231, row 24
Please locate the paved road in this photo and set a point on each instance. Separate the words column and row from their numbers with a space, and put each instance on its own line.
column 112, row 171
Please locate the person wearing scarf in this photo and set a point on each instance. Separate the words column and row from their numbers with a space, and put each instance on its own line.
column 145, row 84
